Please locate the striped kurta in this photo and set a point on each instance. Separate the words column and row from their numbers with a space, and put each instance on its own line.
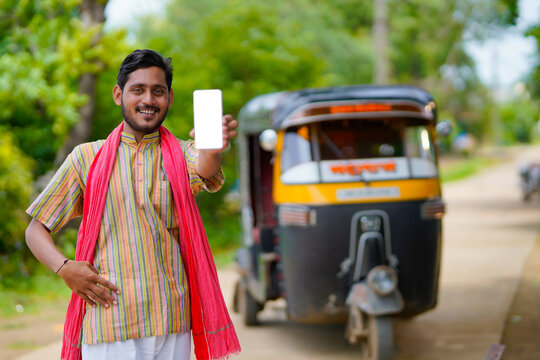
column 138, row 245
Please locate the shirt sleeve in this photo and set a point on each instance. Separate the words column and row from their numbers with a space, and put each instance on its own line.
column 198, row 183
column 61, row 200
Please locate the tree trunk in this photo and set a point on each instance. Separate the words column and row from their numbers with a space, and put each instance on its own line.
column 92, row 14
column 380, row 30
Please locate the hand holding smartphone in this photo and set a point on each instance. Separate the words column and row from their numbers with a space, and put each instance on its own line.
column 207, row 117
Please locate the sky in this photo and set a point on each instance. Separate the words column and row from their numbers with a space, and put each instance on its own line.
column 512, row 54
column 122, row 12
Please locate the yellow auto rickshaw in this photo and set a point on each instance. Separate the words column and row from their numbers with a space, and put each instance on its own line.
column 341, row 208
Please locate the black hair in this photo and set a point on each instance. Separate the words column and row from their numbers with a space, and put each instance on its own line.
column 144, row 59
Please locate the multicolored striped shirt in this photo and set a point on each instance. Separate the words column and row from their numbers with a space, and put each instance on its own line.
column 138, row 246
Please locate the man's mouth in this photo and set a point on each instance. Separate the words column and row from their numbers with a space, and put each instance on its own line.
column 148, row 111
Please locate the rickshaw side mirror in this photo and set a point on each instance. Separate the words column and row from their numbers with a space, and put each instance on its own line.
column 268, row 140
column 444, row 128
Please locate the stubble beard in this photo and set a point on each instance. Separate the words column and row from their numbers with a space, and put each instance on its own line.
column 133, row 124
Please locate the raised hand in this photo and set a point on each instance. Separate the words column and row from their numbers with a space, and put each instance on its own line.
column 229, row 132
column 209, row 161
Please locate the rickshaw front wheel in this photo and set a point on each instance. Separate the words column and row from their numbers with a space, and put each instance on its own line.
column 380, row 338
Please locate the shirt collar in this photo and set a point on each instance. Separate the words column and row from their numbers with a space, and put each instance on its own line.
column 129, row 139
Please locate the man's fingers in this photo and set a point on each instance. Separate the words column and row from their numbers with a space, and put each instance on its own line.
column 100, row 296
column 93, row 269
column 232, row 125
column 103, row 296
column 86, row 298
column 108, row 284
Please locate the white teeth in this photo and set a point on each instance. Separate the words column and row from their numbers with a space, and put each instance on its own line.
column 147, row 111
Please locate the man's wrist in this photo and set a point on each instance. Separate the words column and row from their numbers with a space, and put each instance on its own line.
column 61, row 266
column 214, row 154
column 208, row 163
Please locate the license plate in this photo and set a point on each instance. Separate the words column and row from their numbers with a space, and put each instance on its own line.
column 368, row 193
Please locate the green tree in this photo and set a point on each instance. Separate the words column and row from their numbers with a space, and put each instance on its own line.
column 533, row 81
column 45, row 49
column 518, row 117
column 428, row 49
column 48, row 50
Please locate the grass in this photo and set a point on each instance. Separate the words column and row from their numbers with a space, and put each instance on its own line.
column 224, row 257
column 31, row 295
column 22, row 345
column 12, row 326
column 462, row 169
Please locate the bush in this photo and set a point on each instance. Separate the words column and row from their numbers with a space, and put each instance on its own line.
column 15, row 191
column 518, row 119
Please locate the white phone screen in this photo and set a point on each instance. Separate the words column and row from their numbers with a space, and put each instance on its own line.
column 207, row 116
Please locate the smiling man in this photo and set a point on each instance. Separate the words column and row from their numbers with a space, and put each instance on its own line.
column 143, row 278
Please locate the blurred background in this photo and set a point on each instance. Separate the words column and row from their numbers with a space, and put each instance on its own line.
column 59, row 60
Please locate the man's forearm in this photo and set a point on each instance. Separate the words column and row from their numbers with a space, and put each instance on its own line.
column 208, row 164
column 80, row 276
column 40, row 242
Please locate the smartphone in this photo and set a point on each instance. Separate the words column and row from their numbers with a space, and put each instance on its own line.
column 207, row 118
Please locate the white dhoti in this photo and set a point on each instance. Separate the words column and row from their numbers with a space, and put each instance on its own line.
column 164, row 347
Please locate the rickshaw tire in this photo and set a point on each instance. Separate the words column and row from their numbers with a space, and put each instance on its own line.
column 247, row 305
column 235, row 306
column 381, row 338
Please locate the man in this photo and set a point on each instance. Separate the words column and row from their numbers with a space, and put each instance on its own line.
column 143, row 275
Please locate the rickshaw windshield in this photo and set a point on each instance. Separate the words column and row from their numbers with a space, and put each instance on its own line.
column 358, row 150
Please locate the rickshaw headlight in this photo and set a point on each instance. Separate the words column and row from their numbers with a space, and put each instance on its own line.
column 370, row 223
column 382, row 280
column 268, row 140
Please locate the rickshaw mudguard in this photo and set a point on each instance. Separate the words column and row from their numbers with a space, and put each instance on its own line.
column 370, row 303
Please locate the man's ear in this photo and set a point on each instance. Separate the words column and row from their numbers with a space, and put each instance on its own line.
column 117, row 95
column 171, row 98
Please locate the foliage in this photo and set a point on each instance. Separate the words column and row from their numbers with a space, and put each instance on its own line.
column 433, row 56
column 44, row 49
column 31, row 295
column 108, row 115
column 249, row 47
column 16, row 176
column 518, row 118
column 533, row 87
column 15, row 191
column 533, row 82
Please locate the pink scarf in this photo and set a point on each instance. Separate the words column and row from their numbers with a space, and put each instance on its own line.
column 213, row 333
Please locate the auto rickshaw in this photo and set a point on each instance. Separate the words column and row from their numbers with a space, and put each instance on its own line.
column 341, row 208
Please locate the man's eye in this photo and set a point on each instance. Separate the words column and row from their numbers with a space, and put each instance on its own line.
column 159, row 91
column 136, row 90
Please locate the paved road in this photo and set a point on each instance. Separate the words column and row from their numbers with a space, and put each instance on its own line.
column 488, row 233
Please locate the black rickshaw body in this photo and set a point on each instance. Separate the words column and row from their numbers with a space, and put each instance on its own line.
column 351, row 183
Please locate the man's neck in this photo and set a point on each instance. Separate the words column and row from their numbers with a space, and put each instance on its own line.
column 139, row 135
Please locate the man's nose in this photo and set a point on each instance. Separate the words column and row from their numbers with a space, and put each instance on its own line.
column 148, row 98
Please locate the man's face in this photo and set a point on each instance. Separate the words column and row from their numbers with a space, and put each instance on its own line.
column 144, row 100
